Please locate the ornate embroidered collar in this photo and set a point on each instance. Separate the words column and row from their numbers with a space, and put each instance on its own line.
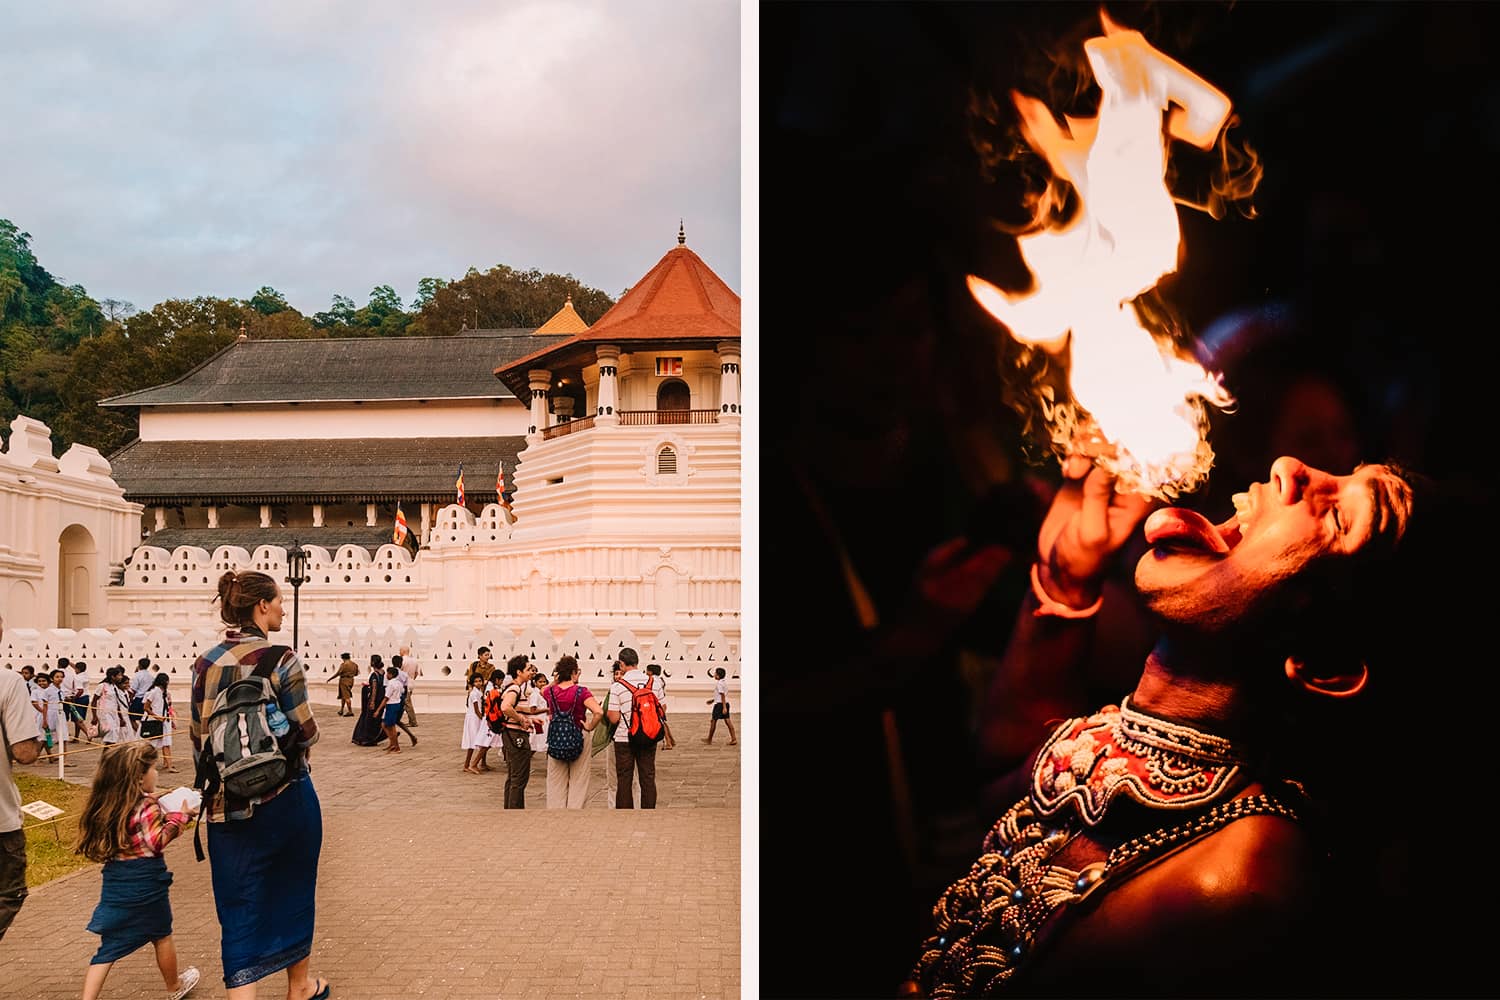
column 1088, row 763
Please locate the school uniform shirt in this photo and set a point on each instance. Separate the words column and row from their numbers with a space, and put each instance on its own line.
column 621, row 700
column 140, row 683
column 395, row 689
column 156, row 703
column 18, row 716
column 50, row 699
column 538, row 722
column 114, row 716
column 721, row 692
column 73, row 684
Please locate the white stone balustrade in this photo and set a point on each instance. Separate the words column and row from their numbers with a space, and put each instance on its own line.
column 444, row 653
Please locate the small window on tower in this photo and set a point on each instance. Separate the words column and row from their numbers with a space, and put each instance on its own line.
column 666, row 462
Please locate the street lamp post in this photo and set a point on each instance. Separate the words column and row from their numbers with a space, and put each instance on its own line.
column 296, row 575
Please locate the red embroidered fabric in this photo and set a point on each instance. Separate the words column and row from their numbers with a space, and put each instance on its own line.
column 1088, row 763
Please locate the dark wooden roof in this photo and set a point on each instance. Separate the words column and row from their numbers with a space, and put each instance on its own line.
column 330, row 537
column 333, row 470
column 348, row 368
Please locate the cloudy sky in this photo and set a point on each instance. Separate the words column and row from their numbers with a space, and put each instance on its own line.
column 161, row 150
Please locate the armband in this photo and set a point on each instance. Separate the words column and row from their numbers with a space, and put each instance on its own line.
column 1047, row 607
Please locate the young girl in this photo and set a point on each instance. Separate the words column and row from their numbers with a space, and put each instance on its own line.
column 126, row 828
column 46, row 701
column 474, row 725
column 157, row 723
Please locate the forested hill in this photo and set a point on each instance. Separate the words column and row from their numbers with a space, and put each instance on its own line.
column 61, row 351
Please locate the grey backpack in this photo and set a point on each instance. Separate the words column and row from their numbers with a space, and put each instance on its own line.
column 245, row 754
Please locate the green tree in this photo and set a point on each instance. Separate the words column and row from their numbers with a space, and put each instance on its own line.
column 341, row 313
column 503, row 297
column 268, row 301
column 426, row 289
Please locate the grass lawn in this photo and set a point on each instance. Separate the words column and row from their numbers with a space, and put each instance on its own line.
column 49, row 843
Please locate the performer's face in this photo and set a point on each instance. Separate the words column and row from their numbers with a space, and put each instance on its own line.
column 1299, row 518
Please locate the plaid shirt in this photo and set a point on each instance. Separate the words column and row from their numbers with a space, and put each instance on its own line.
column 235, row 659
column 150, row 829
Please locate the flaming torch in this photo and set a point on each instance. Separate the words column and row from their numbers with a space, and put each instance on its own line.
column 1138, row 406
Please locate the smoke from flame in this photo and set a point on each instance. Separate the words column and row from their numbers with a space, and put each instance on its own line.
column 1137, row 404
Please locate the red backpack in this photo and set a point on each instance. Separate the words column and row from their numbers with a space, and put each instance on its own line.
column 492, row 713
column 646, row 726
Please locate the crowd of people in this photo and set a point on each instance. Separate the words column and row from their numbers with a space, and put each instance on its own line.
column 267, row 924
column 70, row 706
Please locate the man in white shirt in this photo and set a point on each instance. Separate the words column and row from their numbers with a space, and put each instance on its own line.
column 20, row 734
column 140, row 683
column 409, row 673
column 74, row 691
column 630, row 760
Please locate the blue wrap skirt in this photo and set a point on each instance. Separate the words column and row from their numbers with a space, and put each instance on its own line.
column 265, row 875
column 133, row 907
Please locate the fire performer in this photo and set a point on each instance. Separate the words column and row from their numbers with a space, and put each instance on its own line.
column 1166, row 844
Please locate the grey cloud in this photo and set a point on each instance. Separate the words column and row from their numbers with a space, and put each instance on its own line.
column 328, row 148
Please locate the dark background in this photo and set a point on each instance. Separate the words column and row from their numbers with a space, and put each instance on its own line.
column 885, row 430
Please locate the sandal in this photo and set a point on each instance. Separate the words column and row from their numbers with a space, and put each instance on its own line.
column 323, row 993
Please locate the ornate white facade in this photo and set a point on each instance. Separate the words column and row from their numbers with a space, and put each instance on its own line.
column 65, row 527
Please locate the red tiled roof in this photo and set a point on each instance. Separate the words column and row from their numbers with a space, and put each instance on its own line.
column 679, row 299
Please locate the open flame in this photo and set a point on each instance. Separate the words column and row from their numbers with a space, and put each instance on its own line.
column 1143, row 401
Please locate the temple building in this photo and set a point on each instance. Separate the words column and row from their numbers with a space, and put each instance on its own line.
column 619, row 523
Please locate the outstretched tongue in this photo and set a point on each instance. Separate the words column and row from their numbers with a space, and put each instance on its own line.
column 1179, row 527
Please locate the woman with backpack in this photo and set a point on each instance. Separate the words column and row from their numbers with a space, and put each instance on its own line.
column 263, row 845
column 571, row 705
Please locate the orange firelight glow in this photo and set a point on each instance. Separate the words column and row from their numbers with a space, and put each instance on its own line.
column 1132, row 388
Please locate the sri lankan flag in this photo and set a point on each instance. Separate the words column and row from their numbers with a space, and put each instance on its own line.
column 500, row 487
column 402, row 533
column 459, row 485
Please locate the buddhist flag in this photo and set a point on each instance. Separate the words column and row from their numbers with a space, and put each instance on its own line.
column 401, row 533
column 459, row 485
column 500, row 487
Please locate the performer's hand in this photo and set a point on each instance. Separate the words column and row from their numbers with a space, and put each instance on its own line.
column 1087, row 524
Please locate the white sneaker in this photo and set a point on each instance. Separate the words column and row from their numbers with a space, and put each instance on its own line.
column 185, row 983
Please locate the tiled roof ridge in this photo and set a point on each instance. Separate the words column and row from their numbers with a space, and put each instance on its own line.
column 179, row 379
column 492, row 331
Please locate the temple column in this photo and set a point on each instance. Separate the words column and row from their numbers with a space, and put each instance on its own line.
column 562, row 409
column 729, row 382
column 213, row 515
column 426, row 522
column 265, row 515
column 369, row 515
column 317, row 515
column 161, row 519
column 540, row 380
column 609, row 386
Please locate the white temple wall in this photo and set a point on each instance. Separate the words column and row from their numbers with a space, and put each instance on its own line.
column 282, row 421
column 607, row 481
column 586, row 600
column 65, row 528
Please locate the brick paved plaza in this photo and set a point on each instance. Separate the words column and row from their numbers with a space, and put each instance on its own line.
column 409, row 904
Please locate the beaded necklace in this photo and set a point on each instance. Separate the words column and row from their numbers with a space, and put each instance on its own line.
column 986, row 925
